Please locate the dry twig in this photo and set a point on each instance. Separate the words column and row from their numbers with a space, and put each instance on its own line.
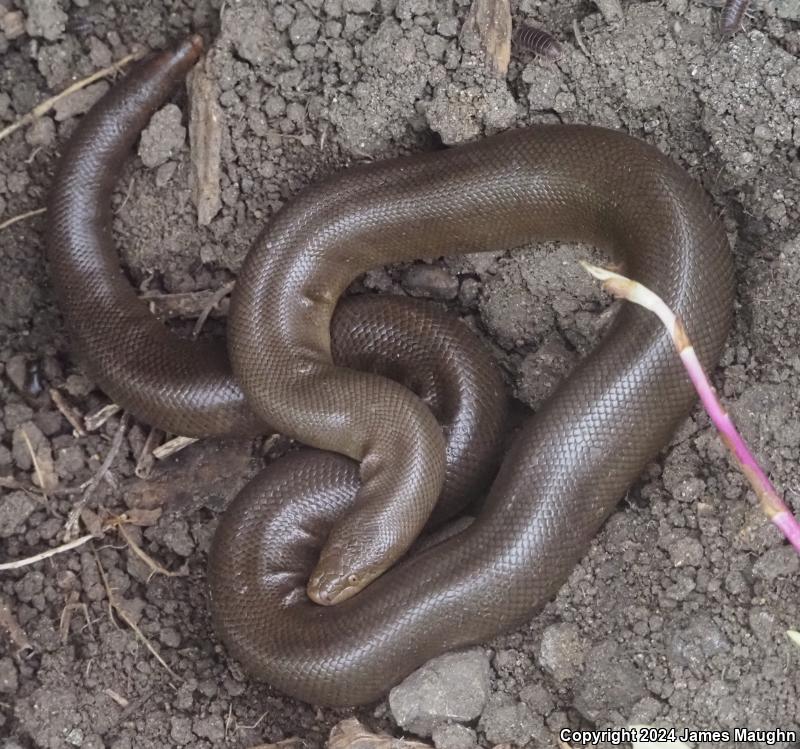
column 9, row 623
column 74, row 544
column 21, row 217
column 71, row 526
column 115, row 604
column 94, row 421
column 41, row 109
column 216, row 298
column 174, row 445
column 68, row 412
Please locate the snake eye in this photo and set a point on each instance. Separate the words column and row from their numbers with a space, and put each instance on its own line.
column 352, row 579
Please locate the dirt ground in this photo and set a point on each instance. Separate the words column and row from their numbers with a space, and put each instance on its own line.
column 675, row 617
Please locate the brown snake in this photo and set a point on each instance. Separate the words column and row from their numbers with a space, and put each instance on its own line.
column 560, row 478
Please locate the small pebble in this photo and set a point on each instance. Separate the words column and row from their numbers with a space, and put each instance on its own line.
column 46, row 19
column 163, row 138
column 452, row 687
column 610, row 681
column 611, row 10
column 9, row 681
column 454, row 736
column 99, row 53
column 562, row 651
column 507, row 722
column 304, row 30
column 686, row 552
column 41, row 133
column 430, row 281
column 782, row 561
column 165, row 172
column 538, row 699
column 12, row 24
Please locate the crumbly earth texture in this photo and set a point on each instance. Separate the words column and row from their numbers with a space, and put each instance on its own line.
column 678, row 613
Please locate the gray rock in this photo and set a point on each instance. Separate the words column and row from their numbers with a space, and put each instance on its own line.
column 17, row 372
column 251, row 30
column 15, row 509
column 46, row 19
column 545, row 84
column 78, row 386
column 163, row 137
column 469, row 292
column 99, row 53
column 788, row 9
column 405, row 9
column 430, row 281
column 70, row 461
column 454, row 736
column 181, row 730
column 283, row 17
column 28, row 442
column 41, row 133
column 610, row 682
column 646, row 710
column 538, row 699
column 165, row 172
column 304, row 30
column 358, row 6
column 211, row 728
column 562, row 651
column 8, row 676
column 693, row 644
column 452, row 687
column 611, row 9
column 16, row 414
column 543, row 369
column 483, row 263
column 12, row 24
column 781, row 561
column 507, row 722
column 173, row 532
column 686, row 552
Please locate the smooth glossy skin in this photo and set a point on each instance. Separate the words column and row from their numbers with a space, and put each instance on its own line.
column 560, row 478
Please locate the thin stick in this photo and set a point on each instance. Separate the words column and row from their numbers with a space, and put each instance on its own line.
column 117, row 606
column 15, row 565
column 68, row 412
column 146, row 460
column 217, row 297
column 155, row 567
column 21, row 217
column 48, row 104
column 95, row 420
column 174, row 445
column 9, row 623
column 118, row 698
column 35, row 460
column 579, row 38
column 771, row 503
column 116, row 443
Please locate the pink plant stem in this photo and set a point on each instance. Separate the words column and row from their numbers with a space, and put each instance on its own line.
column 772, row 505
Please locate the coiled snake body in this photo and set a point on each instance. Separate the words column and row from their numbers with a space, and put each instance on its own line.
column 560, row 478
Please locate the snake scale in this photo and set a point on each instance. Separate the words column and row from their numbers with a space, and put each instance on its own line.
column 324, row 525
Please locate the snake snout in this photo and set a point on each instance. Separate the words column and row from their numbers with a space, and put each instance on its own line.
column 329, row 588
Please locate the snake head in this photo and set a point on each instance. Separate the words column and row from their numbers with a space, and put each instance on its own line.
column 330, row 588
column 349, row 562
